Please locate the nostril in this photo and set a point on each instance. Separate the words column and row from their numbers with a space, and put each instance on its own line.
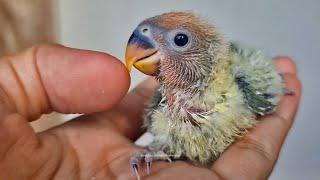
column 144, row 30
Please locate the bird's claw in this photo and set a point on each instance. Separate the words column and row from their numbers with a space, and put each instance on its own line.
column 148, row 158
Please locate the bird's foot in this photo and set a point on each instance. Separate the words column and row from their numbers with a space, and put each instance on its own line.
column 147, row 158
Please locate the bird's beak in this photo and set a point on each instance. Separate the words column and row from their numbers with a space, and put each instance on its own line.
column 142, row 54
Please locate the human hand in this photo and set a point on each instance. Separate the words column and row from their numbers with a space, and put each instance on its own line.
column 98, row 145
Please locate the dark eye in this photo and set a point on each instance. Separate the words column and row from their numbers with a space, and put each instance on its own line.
column 181, row 39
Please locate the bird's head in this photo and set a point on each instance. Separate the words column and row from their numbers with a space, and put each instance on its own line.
column 179, row 48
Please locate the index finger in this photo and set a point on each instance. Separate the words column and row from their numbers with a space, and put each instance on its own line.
column 128, row 115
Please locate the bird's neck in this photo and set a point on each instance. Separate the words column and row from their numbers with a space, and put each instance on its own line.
column 193, row 99
column 183, row 101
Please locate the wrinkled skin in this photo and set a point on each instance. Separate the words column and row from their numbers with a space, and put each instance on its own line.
column 98, row 145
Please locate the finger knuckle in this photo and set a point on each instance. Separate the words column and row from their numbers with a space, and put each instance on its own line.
column 251, row 144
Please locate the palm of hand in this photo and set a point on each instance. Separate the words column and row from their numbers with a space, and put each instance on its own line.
column 99, row 145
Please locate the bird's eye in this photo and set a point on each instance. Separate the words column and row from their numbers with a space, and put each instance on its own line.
column 181, row 39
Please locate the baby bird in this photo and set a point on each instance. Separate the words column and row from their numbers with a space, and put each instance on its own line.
column 211, row 91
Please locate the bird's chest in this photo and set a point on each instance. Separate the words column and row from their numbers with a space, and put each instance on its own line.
column 202, row 127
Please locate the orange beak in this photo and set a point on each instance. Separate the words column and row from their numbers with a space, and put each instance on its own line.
column 142, row 54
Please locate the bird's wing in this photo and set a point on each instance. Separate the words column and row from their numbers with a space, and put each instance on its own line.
column 257, row 78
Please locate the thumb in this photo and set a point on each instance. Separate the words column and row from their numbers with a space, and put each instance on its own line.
column 55, row 78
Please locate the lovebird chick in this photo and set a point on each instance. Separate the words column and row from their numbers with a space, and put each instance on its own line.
column 211, row 91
